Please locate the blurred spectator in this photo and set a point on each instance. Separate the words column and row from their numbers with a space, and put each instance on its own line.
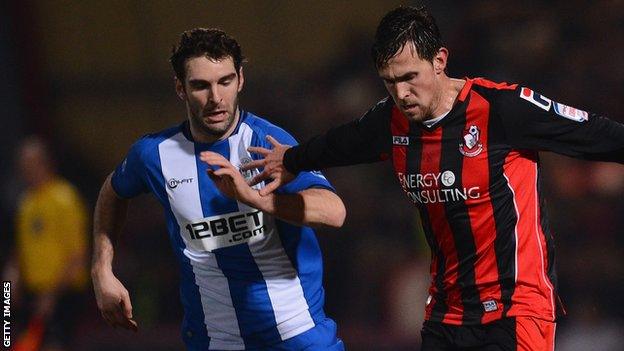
column 48, row 265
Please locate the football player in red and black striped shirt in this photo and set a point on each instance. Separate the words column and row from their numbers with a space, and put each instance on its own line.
column 465, row 152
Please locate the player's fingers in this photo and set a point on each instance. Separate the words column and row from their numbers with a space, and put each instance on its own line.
column 133, row 325
column 114, row 316
column 220, row 165
column 259, row 150
column 271, row 187
column 218, row 161
column 273, row 141
column 258, row 178
column 109, row 313
column 210, row 154
column 253, row 165
column 108, row 318
column 228, row 172
column 129, row 324
column 126, row 305
column 211, row 174
column 125, row 321
column 212, row 158
column 214, row 177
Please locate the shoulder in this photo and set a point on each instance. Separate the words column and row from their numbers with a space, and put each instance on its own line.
column 383, row 106
column 261, row 127
column 385, row 103
column 484, row 83
column 148, row 144
column 490, row 89
column 260, row 124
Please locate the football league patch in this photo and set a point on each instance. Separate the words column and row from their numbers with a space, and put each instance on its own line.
column 570, row 112
column 536, row 99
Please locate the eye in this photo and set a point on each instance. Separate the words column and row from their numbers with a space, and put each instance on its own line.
column 409, row 77
column 198, row 85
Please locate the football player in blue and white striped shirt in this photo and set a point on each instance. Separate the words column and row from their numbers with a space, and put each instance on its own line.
column 251, row 268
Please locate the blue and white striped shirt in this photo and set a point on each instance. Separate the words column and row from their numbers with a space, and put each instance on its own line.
column 248, row 280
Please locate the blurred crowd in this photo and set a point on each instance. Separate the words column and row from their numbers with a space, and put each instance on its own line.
column 376, row 267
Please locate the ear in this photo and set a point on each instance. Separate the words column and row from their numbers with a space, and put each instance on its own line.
column 241, row 79
column 179, row 88
column 439, row 60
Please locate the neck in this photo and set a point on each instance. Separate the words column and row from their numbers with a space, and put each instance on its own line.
column 450, row 89
column 203, row 137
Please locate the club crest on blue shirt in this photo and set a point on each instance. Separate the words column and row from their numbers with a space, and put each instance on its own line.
column 471, row 146
column 246, row 174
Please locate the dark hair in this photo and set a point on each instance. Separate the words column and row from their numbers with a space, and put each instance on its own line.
column 212, row 43
column 406, row 24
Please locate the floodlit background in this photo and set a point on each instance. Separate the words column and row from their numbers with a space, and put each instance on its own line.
column 93, row 76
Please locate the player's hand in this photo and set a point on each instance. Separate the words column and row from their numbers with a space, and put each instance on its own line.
column 113, row 301
column 229, row 180
column 272, row 164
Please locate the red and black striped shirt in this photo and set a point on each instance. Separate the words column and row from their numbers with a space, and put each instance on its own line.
column 474, row 176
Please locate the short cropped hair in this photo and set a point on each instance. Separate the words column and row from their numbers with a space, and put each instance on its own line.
column 209, row 42
column 402, row 25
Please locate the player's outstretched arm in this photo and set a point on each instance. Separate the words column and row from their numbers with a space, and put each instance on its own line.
column 311, row 207
column 532, row 121
column 112, row 297
column 364, row 140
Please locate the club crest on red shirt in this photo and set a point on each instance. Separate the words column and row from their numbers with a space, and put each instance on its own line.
column 471, row 146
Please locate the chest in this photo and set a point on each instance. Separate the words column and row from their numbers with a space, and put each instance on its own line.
column 456, row 161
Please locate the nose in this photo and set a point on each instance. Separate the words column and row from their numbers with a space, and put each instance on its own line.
column 402, row 90
column 214, row 95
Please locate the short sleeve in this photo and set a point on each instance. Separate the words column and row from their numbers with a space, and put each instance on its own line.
column 128, row 178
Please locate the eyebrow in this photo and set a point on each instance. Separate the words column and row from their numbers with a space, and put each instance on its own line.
column 229, row 76
column 400, row 78
column 226, row 77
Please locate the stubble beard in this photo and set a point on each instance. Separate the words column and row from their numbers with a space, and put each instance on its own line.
column 423, row 114
column 428, row 112
column 213, row 130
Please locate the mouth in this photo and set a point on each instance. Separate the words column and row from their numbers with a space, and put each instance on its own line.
column 409, row 107
column 215, row 116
